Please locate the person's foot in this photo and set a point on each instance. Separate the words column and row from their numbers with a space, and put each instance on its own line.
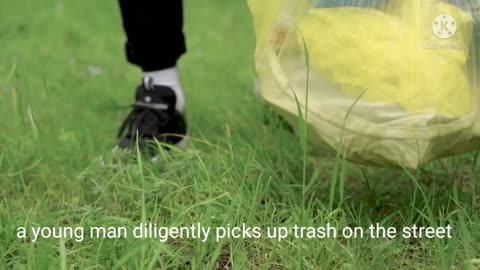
column 153, row 118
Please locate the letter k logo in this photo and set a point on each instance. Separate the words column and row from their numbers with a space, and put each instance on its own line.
column 444, row 26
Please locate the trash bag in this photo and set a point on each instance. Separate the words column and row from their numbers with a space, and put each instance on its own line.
column 386, row 82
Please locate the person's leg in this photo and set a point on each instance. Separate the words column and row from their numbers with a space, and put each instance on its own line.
column 155, row 42
column 155, row 39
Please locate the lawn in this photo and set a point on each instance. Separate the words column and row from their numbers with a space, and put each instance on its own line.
column 65, row 87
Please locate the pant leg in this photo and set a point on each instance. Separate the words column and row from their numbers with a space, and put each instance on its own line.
column 154, row 32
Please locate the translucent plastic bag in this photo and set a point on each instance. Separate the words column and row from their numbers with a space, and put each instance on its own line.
column 390, row 82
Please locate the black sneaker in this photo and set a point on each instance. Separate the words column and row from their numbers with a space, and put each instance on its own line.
column 154, row 118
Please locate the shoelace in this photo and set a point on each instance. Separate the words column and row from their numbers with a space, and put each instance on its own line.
column 144, row 118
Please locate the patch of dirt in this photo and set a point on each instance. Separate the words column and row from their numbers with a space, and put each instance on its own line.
column 224, row 262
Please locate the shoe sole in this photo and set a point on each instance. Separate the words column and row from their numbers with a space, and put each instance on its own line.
column 183, row 143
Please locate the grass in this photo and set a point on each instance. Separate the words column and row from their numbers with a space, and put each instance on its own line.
column 64, row 85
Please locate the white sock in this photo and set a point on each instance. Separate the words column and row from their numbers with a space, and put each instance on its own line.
column 169, row 77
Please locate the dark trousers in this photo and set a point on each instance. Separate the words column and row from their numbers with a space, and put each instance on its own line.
column 155, row 38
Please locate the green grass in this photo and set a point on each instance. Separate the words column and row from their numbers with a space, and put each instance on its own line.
column 64, row 85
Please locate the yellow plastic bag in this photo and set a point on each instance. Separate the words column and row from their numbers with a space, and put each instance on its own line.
column 394, row 82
